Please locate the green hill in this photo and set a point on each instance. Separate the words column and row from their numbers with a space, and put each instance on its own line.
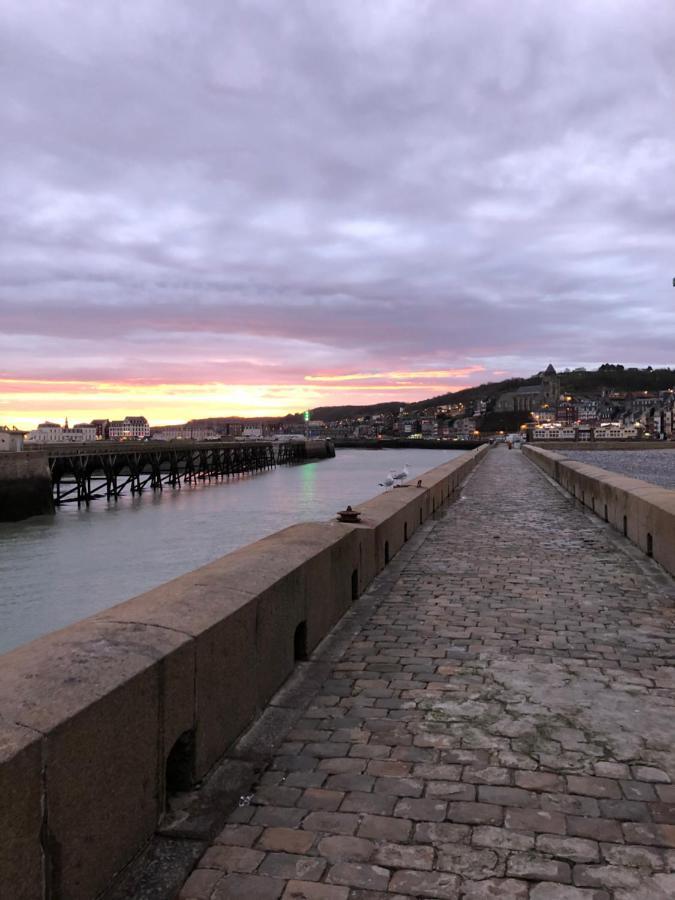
column 609, row 377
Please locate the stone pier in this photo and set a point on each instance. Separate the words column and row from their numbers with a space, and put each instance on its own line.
column 497, row 721
column 25, row 486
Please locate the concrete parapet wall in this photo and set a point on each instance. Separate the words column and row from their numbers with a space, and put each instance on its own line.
column 641, row 511
column 99, row 720
column 601, row 444
column 25, row 486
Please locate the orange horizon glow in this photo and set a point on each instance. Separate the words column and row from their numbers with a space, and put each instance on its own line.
column 26, row 403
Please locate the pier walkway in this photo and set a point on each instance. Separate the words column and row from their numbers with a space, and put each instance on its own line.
column 499, row 723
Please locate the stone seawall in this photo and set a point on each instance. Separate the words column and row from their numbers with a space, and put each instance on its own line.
column 25, row 486
column 604, row 445
column 99, row 721
column 322, row 448
column 642, row 512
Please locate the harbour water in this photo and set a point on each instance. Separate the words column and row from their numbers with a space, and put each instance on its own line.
column 55, row 570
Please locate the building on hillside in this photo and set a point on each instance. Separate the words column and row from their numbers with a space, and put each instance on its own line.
column 643, row 402
column 11, row 439
column 542, row 415
column 550, row 383
column 429, row 427
column 567, row 413
column 525, row 399
column 532, row 396
column 587, row 410
column 452, row 409
column 405, row 426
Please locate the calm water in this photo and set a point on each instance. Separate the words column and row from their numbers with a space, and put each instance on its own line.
column 57, row 569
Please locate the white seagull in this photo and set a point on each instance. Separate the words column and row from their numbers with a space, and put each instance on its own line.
column 403, row 474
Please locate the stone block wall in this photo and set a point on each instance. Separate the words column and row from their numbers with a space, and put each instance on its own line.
column 642, row 512
column 25, row 486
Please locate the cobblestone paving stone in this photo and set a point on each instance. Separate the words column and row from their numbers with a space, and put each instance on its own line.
column 655, row 466
column 502, row 727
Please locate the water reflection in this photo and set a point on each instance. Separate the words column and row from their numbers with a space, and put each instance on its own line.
column 57, row 569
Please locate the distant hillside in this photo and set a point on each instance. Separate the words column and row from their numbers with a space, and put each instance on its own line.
column 617, row 378
column 609, row 377
column 486, row 391
column 334, row 413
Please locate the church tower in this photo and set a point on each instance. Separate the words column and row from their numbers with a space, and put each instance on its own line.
column 551, row 386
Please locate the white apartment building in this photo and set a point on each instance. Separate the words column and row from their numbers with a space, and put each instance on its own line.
column 611, row 432
column 183, row 433
column 86, row 429
column 46, row 433
column 555, row 433
column 51, row 433
column 131, row 428
column 615, row 432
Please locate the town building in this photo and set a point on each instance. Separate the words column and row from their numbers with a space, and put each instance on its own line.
column 86, row 429
column 101, row 426
column 532, row 396
column 52, row 433
column 131, row 428
column 611, row 431
column 46, row 433
column 186, row 432
column 616, row 432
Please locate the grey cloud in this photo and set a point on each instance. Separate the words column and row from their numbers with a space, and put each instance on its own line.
column 361, row 183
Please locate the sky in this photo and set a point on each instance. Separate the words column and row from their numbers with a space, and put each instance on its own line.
column 249, row 208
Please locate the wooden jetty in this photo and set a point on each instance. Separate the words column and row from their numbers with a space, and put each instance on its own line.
column 89, row 472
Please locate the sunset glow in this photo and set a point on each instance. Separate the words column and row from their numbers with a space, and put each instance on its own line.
column 25, row 403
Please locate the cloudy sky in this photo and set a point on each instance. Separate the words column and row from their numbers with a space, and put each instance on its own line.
column 254, row 207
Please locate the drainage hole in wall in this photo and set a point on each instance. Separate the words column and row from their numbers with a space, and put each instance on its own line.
column 300, row 642
column 180, row 764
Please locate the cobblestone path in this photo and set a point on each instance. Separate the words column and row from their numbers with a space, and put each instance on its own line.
column 502, row 726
